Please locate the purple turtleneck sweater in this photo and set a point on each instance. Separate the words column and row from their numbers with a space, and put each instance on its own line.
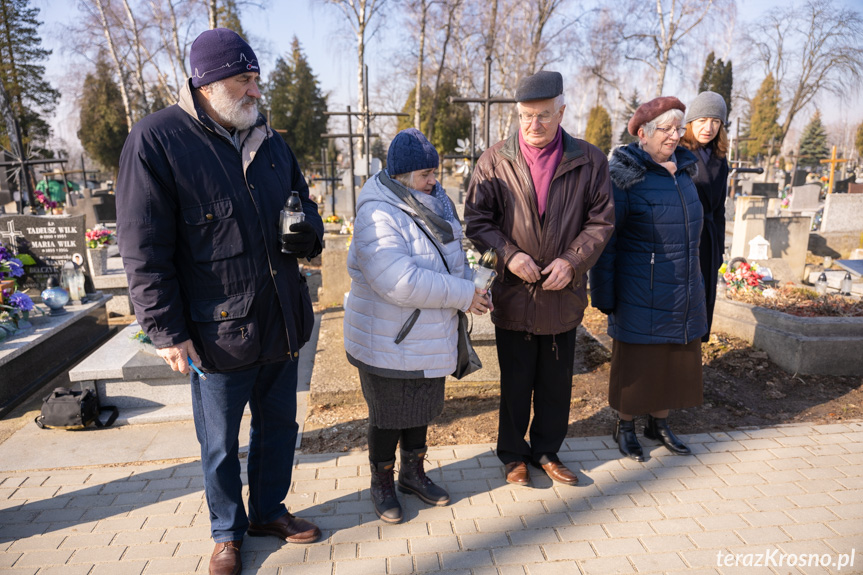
column 542, row 163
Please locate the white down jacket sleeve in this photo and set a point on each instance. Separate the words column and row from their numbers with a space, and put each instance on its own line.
column 395, row 270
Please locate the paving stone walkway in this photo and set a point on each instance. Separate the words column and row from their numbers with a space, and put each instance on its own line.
column 791, row 494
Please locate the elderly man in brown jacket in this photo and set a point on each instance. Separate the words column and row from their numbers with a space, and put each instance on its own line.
column 542, row 199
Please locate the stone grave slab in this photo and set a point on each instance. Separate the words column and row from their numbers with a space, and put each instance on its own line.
column 853, row 266
column 805, row 345
column 843, row 213
column 805, row 198
column 31, row 358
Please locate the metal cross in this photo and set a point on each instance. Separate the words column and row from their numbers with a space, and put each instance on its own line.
column 12, row 234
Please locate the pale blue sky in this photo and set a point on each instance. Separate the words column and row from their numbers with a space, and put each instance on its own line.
column 330, row 48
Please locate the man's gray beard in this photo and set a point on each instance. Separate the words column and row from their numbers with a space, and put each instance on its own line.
column 236, row 113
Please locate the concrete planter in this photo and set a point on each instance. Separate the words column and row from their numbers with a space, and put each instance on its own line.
column 806, row 345
column 98, row 260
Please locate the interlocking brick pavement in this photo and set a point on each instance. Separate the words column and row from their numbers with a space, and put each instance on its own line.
column 792, row 489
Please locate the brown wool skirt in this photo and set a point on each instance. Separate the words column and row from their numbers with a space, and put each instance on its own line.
column 646, row 378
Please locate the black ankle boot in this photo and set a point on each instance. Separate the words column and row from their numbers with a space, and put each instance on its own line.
column 413, row 479
column 383, row 492
column 627, row 442
column 657, row 429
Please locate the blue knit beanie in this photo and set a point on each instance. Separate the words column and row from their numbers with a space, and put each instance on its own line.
column 218, row 54
column 409, row 151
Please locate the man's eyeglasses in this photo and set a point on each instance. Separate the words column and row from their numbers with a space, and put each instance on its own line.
column 669, row 130
column 544, row 118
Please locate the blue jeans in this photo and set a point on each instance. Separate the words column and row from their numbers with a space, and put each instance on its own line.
column 218, row 404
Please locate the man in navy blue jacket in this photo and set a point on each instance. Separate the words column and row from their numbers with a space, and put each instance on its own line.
column 199, row 192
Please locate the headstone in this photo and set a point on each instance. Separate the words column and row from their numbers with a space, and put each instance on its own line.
column 841, row 186
column 789, row 240
column 749, row 221
column 51, row 240
column 843, row 213
column 799, row 178
column 765, row 189
column 85, row 206
column 855, row 188
column 759, row 248
column 335, row 280
column 805, row 198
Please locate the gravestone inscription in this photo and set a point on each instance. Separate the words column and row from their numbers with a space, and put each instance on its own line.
column 51, row 240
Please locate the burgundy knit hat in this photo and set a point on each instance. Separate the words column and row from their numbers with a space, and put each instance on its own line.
column 653, row 109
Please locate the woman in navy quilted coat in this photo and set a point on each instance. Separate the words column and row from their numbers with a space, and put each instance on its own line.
column 648, row 280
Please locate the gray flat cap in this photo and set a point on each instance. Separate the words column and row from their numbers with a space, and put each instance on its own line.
column 543, row 85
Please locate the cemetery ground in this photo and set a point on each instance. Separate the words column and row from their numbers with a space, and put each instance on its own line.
column 742, row 388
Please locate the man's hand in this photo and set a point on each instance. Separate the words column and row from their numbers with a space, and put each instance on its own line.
column 176, row 355
column 559, row 273
column 302, row 241
column 524, row 267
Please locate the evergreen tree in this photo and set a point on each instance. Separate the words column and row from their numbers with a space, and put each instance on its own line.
column 103, row 119
column 631, row 106
column 717, row 77
column 32, row 97
column 451, row 123
column 228, row 16
column 858, row 141
column 763, row 120
column 813, row 142
column 297, row 105
column 598, row 130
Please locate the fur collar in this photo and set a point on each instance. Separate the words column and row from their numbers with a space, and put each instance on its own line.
column 629, row 165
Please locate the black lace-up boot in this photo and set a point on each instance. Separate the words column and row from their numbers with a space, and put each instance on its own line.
column 627, row 442
column 383, row 492
column 413, row 479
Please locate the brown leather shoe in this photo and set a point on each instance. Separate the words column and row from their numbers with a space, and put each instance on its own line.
column 517, row 473
column 558, row 472
column 225, row 559
column 291, row 529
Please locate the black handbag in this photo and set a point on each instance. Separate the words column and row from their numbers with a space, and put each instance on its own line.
column 71, row 409
column 468, row 361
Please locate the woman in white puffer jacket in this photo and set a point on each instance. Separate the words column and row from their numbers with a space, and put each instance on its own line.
column 401, row 323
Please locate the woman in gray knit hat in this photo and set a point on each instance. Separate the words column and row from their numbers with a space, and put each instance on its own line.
column 409, row 277
column 707, row 139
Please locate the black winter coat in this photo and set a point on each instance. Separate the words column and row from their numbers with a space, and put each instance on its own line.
column 198, row 232
column 711, row 183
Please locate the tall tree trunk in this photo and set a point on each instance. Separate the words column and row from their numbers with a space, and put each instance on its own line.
column 179, row 55
column 118, row 68
column 139, row 63
column 418, row 93
column 212, row 13
column 13, row 69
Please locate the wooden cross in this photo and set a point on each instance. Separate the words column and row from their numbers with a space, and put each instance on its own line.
column 832, row 161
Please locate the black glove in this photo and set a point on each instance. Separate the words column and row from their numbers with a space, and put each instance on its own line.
column 302, row 242
column 606, row 311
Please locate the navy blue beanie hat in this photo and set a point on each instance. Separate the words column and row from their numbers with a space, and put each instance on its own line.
column 218, row 54
column 409, row 151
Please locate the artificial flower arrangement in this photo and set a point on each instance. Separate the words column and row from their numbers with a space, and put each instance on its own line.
column 334, row 219
column 46, row 202
column 742, row 277
column 15, row 306
column 99, row 237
